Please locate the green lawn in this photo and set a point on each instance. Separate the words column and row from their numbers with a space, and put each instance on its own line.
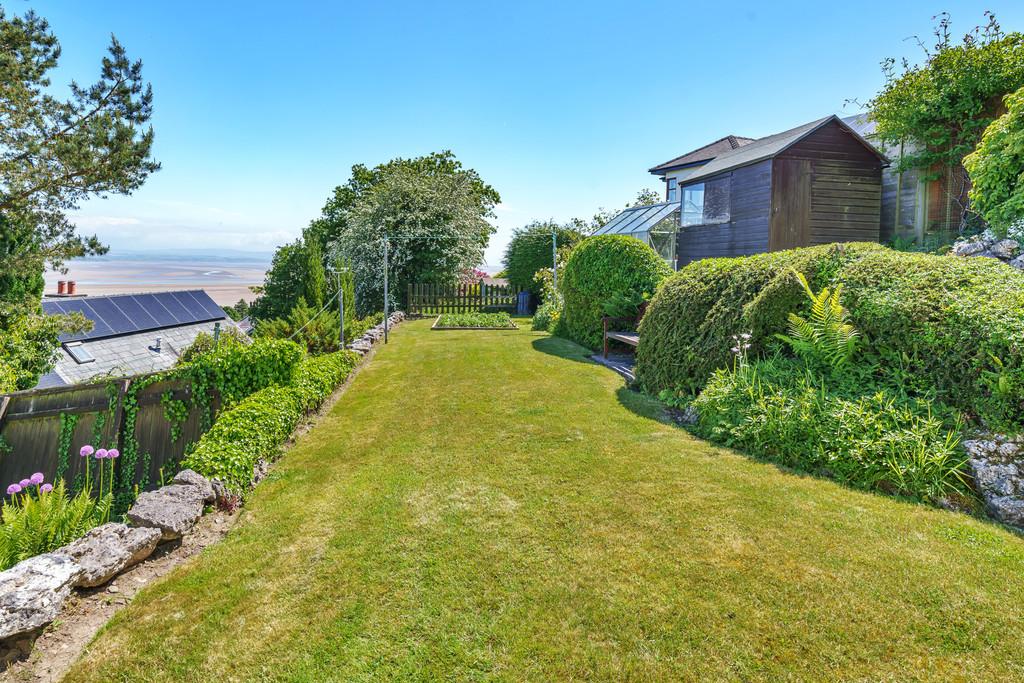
column 487, row 505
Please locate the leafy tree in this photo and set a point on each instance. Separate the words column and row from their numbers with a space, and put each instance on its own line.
column 529, row 250
column 238, row 311
column 997, row 169
column 645, row 197
column 55, row 153
column 28, row 347
column 319, row 333
column 280, row 292
column 436, row 225
column 285, row 283
column 316, row 280
column 942, row 106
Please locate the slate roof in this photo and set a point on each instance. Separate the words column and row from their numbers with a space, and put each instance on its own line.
column 703, row 154
column 119, row 353
column 768, row 147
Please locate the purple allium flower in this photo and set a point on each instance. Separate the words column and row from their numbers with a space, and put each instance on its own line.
column 86, row 451
column 37, row 478
column 113, row 453
column 12, row 489
column 46, row 488
column 25, row 483
column 101, row 453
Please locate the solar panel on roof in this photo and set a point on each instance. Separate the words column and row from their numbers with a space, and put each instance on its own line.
column 159, row 312
column 99, row 327
column 135, row 311
column 106, row 310
column 195, row 307
column 131, row 313
column 175, row 307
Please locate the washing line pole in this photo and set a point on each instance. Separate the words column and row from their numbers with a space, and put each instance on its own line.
column 385, row 288
column 341, row 313
column 554, row 261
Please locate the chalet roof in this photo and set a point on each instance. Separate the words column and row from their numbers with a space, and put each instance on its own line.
column 771, row 146
column 703, row 154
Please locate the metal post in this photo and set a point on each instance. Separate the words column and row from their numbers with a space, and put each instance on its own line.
column 341, row 313
column 216, row 334
column 385, row 288
column 554, row 262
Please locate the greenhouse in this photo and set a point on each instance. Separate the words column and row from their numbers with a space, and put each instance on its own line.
column 655, row 225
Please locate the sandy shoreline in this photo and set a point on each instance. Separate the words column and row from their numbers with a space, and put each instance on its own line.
column 222, row 294
column 226, row 280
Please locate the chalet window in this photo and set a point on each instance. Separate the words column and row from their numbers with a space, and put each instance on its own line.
column 692, row 210
column 706, row 203
column 672, row 194
column 716, row 201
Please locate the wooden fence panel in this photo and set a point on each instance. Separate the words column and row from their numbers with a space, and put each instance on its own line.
column 434, row 299
column 32, row 425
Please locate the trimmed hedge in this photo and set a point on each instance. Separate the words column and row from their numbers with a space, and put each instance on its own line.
column 941, row 324
column 687, row 330
column 598, row 269
column 257, row 426
column 238, row 370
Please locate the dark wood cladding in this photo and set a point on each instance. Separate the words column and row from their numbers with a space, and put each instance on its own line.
column 827, row 188
column 746, row 232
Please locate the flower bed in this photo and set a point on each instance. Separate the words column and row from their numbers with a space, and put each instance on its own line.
column 474, row 321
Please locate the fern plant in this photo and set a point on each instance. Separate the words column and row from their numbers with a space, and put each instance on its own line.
column 825, row 338
column 39, row 521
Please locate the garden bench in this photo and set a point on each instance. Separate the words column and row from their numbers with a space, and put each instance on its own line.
column 625, row 336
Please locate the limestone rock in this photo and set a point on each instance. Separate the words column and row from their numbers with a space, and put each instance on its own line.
column 997, row 464
column 1018, row 262
column 1004, row 249
column 32, row 593
column 191, row 478
column 107, row 550
column 971, row 247
column 173, row 510
column 1007, row 509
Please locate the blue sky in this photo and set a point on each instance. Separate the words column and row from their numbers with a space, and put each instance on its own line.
column 261, row 108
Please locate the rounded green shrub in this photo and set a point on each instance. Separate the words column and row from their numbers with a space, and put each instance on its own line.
column 598, row 269
column 941, row 326
column 687, row 330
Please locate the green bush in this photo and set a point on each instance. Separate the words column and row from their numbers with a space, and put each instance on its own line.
column 955, row 325
column 687, row 330
column 529, row 250
column 238, row 370
column 545, row 318
column 255, row 428
column 598, row 270
column 932, row 326
column 240, row 437
column 997, row 168
column 775, row 410
column 316, row 377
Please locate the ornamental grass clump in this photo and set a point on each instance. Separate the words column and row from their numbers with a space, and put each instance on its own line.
column 40, row 516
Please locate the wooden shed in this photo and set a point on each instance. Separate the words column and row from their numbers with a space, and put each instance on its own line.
column 815, row 184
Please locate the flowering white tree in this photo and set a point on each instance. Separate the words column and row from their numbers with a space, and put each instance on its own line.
column 436, row 226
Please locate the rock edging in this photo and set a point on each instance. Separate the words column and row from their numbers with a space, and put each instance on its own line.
column 1006, row 250
column 997, row 465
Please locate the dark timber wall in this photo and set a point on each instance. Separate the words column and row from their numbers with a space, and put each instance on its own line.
column 747, row 230
column 826, row 188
